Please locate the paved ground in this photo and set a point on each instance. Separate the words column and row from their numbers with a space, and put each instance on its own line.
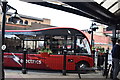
column 51, row 75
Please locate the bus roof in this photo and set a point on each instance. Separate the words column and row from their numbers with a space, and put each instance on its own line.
column 46, row 31
column 38, row 29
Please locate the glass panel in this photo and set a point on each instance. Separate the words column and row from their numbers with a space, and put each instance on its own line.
column 115, row 8
column 108, row 3
column 57, row 44
column 40, row 44
column 29, row 44
column 82, row 46
column 70, row 45
column 62, row 42
column 70, row 42
column 33, row 47
column 13, row 43
column 98, row 1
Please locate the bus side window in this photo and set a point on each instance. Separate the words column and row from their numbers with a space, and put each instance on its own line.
column 19, row 49
column 13, row 44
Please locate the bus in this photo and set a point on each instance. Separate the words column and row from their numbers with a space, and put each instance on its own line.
column 45, row 48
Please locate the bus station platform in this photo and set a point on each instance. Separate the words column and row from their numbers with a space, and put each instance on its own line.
column 51, row 75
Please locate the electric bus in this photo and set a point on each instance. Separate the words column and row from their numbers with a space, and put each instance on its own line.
column 59, row 39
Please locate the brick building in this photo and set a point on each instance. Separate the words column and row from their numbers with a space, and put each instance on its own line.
column 26, row 22
column 101, row 39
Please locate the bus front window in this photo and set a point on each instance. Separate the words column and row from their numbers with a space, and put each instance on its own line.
column 82, row 46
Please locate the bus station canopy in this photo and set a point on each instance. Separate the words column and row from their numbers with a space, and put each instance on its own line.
column 102, row 11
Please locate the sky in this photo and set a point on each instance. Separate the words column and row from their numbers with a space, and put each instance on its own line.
column 58, row 18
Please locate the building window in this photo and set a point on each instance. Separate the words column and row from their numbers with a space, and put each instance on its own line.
column 26, row 22
column 9, row 20
column 21, row 21
column 104, row 29
column 13, row 20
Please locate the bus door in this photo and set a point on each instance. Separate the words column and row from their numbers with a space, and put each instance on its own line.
column 57, row 43
column 77, row 46
column 70, row 58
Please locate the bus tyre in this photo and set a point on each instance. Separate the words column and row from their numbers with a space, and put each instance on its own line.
column 82, row 65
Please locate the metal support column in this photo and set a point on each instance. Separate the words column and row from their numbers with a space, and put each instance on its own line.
column 24, row 62
column 4, row 6
column 114, row 38
column 92, row 40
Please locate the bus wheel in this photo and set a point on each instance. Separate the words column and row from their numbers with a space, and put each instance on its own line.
column 82, row 65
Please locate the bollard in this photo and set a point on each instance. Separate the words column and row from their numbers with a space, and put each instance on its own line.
column 24, row 62
column 106, row 63
column 64, row 63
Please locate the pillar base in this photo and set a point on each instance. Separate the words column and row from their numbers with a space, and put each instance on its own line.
column 64, row 72
column 24, row 71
